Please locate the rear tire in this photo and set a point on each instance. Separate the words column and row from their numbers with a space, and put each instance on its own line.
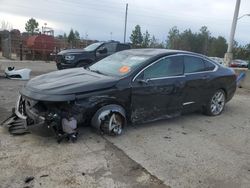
column 216, row 103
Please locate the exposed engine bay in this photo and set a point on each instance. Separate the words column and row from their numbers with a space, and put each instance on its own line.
column 61, row 119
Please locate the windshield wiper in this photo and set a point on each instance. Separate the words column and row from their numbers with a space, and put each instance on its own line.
column 96, row 71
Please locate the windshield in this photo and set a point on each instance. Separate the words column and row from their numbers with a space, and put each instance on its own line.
column 94, row 46
column 119, row 64
column 240, row 61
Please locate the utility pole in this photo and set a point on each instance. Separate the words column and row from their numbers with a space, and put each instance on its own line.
column 111, row 33
column 125, row 28
column 10, row 47
column 86, row 39
column 229, row 55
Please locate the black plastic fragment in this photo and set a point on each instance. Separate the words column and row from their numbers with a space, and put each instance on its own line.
column 29, row 179
column 15, row 125
column 45, row 175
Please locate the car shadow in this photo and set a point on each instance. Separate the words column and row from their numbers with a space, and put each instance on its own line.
column 175, row 121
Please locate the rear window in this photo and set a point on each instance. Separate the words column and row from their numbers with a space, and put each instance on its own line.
column 209, row 66
column 193, row 64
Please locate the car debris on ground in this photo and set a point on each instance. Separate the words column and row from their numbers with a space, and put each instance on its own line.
column 21, row 74
column 240, row 77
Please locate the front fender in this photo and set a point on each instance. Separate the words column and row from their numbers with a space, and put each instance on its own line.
column 85, row 59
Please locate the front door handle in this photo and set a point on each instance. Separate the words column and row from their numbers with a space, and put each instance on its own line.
column 180, row 83
column 205, row 77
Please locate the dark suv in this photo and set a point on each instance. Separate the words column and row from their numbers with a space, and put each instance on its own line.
column 84, row 57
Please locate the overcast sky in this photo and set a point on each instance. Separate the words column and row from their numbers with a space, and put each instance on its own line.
column 97, row 19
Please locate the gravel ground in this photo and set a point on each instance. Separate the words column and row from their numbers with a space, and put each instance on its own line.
column 189, row 151
column 195, row 150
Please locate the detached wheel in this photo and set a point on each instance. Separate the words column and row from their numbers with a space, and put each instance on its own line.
column 113, row 124
column 216, row 104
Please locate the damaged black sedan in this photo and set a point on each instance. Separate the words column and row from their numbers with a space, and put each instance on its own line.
column 132, row 86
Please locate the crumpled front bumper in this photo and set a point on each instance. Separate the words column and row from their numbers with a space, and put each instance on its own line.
column 15, row 125
column 23, row 120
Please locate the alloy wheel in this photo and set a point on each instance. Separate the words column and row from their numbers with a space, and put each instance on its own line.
column 115, row 124
column 217, row 102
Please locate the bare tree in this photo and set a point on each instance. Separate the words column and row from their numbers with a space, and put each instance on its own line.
column 5, row 25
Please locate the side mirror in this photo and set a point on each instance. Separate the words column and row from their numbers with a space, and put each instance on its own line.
column 142, row 81
column 102, row 51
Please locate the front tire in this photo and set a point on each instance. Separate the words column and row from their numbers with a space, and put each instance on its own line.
column 216, row 103
column 113, row 124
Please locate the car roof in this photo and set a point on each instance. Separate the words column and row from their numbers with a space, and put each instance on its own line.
column 111, row 41
column 239, row 60
column 157, row 52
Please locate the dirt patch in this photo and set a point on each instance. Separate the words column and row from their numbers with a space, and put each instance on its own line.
column 241, row 91
column 132, row 171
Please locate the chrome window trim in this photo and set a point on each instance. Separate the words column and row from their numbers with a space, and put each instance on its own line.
column 184, row 75
column 187, row 103
column 215, row 69
column 153, row 64
column 160, row 78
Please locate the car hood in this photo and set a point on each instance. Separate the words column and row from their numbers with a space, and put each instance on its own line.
column 72, row 51
column 66, row 84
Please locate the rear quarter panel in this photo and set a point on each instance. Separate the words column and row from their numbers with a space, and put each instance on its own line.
column 224, row 78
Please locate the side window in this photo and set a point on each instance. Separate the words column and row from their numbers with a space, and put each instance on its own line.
column 193, row 64
column 209, row 66
column 121, row 47
column 170, row 66
column 111, row 47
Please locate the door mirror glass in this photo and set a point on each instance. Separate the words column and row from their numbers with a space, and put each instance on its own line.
column 142, row 81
